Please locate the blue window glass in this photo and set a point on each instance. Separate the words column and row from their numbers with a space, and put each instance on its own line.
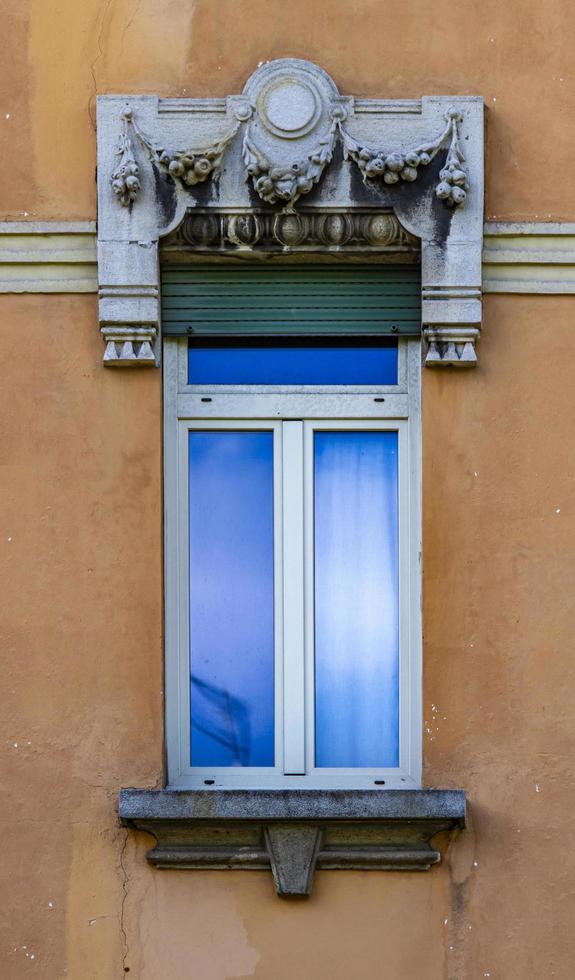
column 356, row 599
column 231, row 598
column 291, row 365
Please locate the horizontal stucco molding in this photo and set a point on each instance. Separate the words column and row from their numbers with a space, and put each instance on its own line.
column 60, row 257
column 48, row 257
column 529, row 257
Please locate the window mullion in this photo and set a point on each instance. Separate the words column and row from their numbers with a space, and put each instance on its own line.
column 293, row 599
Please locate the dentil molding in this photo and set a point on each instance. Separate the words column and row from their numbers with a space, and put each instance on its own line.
column 292, row 163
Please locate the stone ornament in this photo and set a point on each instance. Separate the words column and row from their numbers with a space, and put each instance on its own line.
column 129, row 346
column 287, row 184
column 191, row 166
column 293, row 832
column 290, row 108
column 125, row 183
column 194, row 166
column 290, row 164
column 395, row 166
column 299, row 231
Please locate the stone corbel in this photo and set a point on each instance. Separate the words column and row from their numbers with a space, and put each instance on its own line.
column 451, row 304
column 289, row 139
column 129, row 301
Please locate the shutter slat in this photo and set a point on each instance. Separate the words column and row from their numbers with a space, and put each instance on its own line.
column 289, row 315
column 181, row 291
column 290, row 300
column 295, row 300
column 211, row 273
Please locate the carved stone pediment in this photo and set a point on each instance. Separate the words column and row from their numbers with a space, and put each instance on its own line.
column 290, row 162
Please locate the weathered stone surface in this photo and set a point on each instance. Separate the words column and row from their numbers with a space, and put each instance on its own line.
column 293, row 831
column 293, row 804
column 294, row 137
column 293, row 850
column 310, row 230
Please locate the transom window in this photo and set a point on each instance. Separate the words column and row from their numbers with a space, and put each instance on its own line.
column 292, row 561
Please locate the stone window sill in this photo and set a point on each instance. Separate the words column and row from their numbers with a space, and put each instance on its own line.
column 294, row 831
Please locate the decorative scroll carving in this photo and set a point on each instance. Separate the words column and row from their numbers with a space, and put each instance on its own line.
column 395, row 166
column 301, row 231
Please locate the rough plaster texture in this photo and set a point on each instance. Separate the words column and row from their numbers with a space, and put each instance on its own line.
column 81, row 627
column 81, row 535
column 82, row 679
column 61, row 55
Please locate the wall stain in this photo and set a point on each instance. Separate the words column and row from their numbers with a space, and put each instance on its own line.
column 459, row 859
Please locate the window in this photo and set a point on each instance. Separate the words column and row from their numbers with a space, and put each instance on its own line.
column 292, row 561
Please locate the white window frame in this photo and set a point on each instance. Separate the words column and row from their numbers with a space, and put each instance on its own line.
column 385, row 407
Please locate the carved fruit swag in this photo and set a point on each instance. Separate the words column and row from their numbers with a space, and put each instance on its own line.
column 395, row 166
column 288, row 183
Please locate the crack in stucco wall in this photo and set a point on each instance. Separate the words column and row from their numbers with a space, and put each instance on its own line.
column 99, row 56
column 124, row 879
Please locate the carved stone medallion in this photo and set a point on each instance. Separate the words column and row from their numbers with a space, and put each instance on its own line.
column 289, row 108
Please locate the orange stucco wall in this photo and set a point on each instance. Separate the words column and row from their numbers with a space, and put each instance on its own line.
column 518, row 56
column 81, row 534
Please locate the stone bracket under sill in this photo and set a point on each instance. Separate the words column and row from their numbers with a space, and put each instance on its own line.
column 294, row 831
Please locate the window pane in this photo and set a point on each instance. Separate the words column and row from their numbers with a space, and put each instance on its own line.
column 231, row 598
column 290, row 365
column 356, row 599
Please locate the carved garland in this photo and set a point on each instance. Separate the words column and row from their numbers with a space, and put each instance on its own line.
column 392, row 167
column 125, row 178
column 191, row 166
column 287, row 184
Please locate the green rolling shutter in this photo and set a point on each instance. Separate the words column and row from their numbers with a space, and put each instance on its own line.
column 284, row 300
